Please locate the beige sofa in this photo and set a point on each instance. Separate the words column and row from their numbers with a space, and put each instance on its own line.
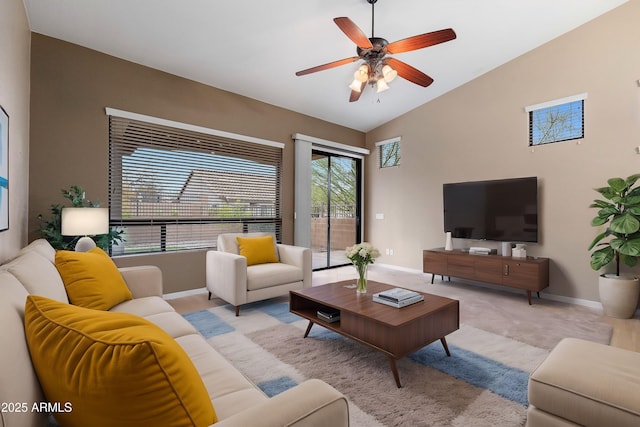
column 582, row 383
column 236, row 400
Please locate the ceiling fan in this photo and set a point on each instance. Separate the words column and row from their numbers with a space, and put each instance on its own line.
column 378, row 67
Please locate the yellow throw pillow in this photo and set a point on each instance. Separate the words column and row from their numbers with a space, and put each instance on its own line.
column 257, row 250
column 112, row 369
column 91, row 279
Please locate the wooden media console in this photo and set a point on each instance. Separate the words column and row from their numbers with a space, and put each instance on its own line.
column 529, row 274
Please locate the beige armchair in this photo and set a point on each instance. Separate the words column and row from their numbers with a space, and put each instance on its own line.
column 229, row 277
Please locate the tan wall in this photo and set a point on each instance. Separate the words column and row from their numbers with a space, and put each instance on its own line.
column 14, row 98
column 72, row 85
column 479, row 131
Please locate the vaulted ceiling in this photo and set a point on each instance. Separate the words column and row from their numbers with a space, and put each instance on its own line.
column 253, row 48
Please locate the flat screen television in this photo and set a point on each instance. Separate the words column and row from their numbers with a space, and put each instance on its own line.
column 504, row 210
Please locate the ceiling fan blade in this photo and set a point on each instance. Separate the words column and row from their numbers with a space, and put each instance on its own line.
column 355, row 95
column 327, row 66
column 421, row 41
column 353, row 32
column 407, row 72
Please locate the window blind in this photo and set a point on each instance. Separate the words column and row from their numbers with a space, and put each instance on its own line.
column 174, row 189
column 556, row 121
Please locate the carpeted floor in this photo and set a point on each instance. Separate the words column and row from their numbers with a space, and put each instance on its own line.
column 483, row 383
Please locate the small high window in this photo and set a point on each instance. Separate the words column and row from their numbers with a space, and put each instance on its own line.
column 389, row 152
column 556, row 121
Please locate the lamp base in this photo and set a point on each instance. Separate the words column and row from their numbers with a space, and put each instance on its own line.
column 85, row 244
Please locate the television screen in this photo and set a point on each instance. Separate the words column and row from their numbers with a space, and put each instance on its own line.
column 502, row 210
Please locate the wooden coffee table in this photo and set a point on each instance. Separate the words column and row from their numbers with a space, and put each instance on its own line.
column 396, row 332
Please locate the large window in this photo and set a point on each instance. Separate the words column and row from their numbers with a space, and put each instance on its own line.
column 174, row 189
column 556, row 121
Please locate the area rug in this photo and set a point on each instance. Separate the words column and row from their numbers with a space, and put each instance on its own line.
column 483, row 383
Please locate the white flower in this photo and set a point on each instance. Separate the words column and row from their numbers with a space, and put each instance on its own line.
column 362, row 254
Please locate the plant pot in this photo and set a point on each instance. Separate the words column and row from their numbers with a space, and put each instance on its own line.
column 619, row 295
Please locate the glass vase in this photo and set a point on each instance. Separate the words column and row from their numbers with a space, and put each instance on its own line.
column 361, row 286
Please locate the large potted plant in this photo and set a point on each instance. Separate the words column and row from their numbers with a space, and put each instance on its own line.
column 619, row 242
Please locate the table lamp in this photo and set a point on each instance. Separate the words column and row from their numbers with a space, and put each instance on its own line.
column 84, row 222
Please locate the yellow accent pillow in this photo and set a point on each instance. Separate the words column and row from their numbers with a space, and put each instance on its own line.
column 257, row 250
column 112, row 369
column 91, row 279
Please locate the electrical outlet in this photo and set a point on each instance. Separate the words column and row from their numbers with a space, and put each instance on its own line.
column 390, row 251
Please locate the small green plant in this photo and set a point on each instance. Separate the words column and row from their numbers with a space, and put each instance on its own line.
column 621, row 213
column 50, row 229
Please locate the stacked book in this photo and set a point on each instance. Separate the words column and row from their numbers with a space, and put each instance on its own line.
column 329, row 315
column 398, row 297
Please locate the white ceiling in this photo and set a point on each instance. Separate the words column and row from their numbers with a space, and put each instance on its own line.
column 254, row 48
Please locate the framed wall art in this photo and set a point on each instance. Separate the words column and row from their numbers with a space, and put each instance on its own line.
column 4, row 170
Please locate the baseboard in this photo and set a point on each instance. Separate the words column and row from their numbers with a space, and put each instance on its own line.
column 182, row 294
column 560, row 298
column 577, row 301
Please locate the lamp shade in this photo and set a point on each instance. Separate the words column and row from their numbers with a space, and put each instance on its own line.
column 84, row 221
column 382, row 85
column 356, row 85
column 362, row 74
column 389, row 73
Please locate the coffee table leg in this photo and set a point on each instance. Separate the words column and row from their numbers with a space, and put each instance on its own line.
column 394, row 369
column 308, row 329
column 446, row 347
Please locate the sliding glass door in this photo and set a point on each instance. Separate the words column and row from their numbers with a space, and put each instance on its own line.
column 335, row 207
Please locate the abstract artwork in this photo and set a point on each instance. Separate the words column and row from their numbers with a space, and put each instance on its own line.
column 4, row 170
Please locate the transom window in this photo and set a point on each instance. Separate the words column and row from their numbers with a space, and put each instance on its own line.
column 389, row 152
column 172, row 189
column 556, row 121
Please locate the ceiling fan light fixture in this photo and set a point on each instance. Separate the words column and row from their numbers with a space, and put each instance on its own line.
column 389, row 73
column 376, row 69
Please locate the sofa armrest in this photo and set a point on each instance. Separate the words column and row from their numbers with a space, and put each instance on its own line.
column 298, row 256
column 312, row 403
column 143, row 281
column 226, row 276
